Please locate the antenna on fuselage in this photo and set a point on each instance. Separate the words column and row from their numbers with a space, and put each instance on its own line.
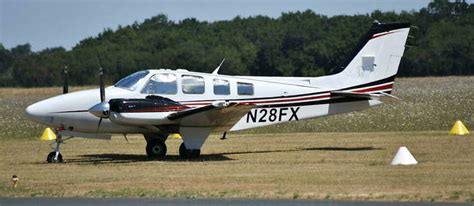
column 218, row 67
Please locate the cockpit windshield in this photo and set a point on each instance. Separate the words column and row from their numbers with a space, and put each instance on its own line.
column 130, row 81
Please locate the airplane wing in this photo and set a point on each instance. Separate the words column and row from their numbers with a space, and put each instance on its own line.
column 220, row 116
column 380, row 96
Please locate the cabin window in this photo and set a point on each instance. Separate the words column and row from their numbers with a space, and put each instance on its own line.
column 221, row 87
column 192, row 84
column 244, row 88
column 161, row 84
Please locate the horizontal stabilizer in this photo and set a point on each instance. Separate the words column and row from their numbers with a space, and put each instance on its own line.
column 380, row 96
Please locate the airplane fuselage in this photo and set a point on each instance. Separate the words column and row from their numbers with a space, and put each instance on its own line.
column 276, row 102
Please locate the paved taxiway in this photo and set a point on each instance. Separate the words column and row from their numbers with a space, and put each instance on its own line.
column 199, row 202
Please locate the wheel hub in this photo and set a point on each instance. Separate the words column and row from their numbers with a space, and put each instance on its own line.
column 157, row 149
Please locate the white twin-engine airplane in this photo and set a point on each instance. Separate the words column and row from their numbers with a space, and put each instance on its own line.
column 156, row 103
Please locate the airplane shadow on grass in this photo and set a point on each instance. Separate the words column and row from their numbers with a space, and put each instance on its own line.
column 131, row 158
column 307, row 149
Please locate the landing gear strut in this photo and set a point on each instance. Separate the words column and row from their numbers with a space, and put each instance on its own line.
column 55, row 156
column 186, row 153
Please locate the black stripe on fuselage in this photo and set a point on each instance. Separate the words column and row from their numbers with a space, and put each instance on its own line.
column 382, row 81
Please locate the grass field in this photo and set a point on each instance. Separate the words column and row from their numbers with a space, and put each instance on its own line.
column 305, row 165
column 338, row 157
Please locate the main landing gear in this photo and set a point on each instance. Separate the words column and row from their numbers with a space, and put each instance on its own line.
column 188, row 153
column 155, row 145
column 156, row 148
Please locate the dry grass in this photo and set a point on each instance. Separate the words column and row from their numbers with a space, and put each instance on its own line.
column 304, row 165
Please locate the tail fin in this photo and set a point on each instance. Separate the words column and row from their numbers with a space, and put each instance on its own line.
column 375, row 60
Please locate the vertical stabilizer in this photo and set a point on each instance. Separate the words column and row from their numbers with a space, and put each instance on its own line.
column 375, row 59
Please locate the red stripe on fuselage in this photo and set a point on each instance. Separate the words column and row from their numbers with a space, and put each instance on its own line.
column 382, row 87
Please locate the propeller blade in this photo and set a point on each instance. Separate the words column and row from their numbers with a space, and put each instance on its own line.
column 98, row 126
column 102, row 86
column 65, row 79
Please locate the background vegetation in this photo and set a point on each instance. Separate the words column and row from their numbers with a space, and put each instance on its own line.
column 296, row 44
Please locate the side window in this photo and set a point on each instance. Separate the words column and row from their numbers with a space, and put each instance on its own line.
column 161, row 84
column 192, row 84
column 221, row 87
column 244, row 88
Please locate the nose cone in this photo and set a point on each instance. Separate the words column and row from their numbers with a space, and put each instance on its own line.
column 100, row 110
column 37, row 113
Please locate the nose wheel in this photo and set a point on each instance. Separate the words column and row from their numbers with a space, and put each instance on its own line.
column 54, row 157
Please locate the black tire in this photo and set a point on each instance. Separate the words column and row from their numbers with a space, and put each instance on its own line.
column 52, row 155
column 156, row 149
column 186, row 153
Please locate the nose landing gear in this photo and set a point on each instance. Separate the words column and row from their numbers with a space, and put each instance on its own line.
column 55, row 156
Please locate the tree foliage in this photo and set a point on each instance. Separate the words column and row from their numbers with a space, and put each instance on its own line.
column 295, row 44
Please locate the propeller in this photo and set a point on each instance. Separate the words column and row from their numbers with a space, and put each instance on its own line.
column 102, row 85
column 101, row 109
column 65, row 80
column 102, row 94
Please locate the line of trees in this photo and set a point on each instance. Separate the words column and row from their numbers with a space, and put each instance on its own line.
column 295, row 44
